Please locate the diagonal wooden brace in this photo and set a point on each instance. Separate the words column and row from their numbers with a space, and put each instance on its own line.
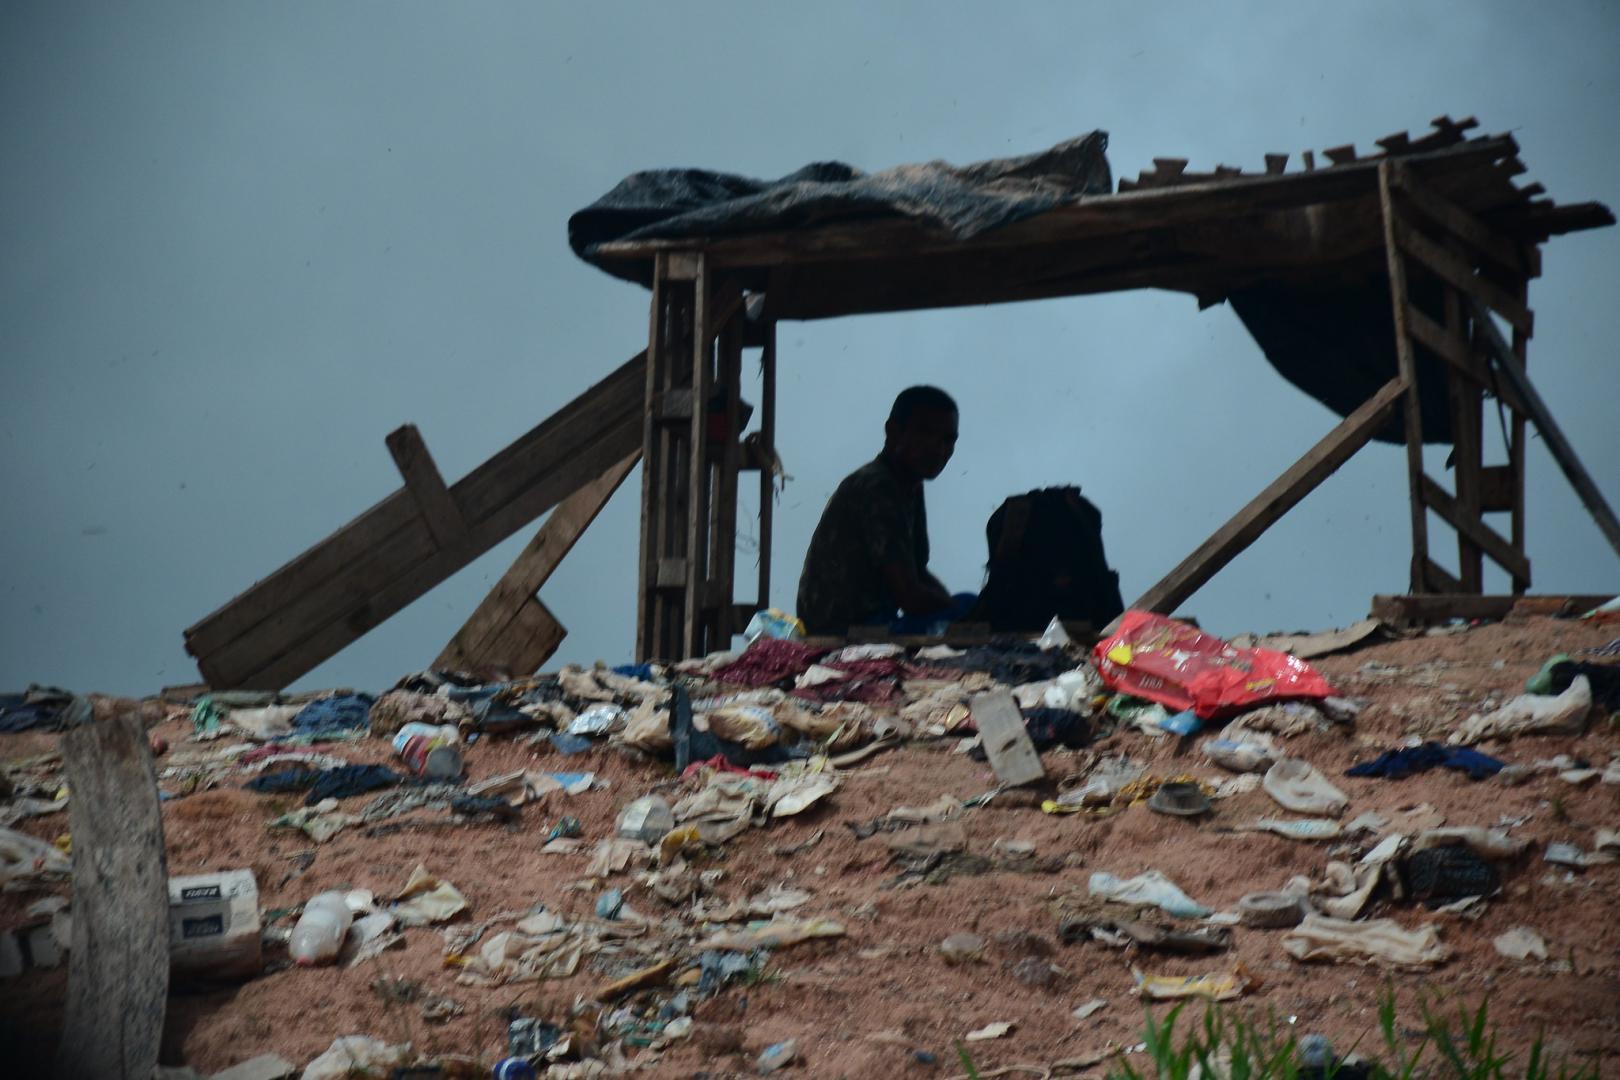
column 510, row 627
column 1302, row 477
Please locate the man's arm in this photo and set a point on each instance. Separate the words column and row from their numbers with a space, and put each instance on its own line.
column 916, row 595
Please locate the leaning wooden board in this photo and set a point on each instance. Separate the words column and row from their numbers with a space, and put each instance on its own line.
column 1005, row 739
column 312, row 607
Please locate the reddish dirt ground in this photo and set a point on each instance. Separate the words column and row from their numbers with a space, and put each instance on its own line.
column 864, row 1004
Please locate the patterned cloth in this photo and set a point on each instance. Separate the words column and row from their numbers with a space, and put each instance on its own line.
column 874, row 518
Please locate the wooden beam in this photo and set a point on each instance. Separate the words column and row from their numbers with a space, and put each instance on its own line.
column 1485, row 241
column 433, row 499
column 528, row 640
column 1433, row 608
column 1456, row 272
column 1455, row 352
column 697, row 478
column 534, row 565
column 1551, row 433
column 1316, row 465
column 767, row 472
column 1466, row 400
column 118, row 977
column 1486, row 538
column 1412, row 416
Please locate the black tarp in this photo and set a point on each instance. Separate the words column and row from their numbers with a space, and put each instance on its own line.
column 1334, row 338
column 667, row 204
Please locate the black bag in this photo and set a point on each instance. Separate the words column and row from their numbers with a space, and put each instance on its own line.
column 1046, row 559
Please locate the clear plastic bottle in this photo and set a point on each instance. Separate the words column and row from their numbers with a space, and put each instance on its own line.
column 320, row 930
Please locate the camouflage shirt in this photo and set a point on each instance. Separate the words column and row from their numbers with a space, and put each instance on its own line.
column 873, row 519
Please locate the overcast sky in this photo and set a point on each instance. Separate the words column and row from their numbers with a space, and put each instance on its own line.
column 240, row 243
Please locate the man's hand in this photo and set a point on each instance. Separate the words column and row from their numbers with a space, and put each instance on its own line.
column 916, row 596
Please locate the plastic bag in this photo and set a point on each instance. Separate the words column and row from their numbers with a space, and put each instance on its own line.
column 1181, row 667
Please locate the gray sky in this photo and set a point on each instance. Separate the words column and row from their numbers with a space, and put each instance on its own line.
column 239, row 243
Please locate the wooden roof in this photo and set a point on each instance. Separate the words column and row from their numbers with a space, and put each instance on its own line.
column 1202, row 233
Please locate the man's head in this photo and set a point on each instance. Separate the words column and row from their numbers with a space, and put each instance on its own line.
column 920, row 435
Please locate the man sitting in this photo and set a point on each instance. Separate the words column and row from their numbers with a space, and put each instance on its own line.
column 868, row 557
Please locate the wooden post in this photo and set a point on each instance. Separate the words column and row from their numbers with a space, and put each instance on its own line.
column 1412, row 411
column 697, row 464
column 1467, row 398
column 767, row 465
column 118, row 978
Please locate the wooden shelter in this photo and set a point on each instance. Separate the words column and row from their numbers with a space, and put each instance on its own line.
column 1440, row 213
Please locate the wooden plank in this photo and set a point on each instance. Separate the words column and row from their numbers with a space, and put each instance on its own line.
column 1005, row 739
column 1407, row 363
column 334, row 556
column 427, row 488
column 535, row 564
column 526, row 642
column 1455, row 272
column 767, row 474
column 1517, row 439
column 1455, row 352
column 1466, row 400
column 1488, row 539
column 1551, row 433
column 723, row 523
column 1316, row 465
column 118, row 980
column 653, row 464
column 697, row 478
column 1436, row 608
column 1485, row 241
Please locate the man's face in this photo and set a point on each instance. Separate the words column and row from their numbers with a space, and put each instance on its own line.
column 923, row 445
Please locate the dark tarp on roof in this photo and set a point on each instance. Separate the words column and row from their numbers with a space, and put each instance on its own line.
column 966, row 201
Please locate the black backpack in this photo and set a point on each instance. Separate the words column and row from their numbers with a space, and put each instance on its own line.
column 1046, row 559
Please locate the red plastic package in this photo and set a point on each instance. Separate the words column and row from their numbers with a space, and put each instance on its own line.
column 1181, row 667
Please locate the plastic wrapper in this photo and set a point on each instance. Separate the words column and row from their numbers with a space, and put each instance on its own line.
column 1181, row 667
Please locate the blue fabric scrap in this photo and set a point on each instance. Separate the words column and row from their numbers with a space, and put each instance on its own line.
column 1399, row 764
column 325, row 716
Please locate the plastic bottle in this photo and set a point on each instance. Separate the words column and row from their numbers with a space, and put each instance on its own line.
column 320, row 930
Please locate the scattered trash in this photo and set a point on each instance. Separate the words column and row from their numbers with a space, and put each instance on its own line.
column 1399, row 764
column 776, row 1056
column 320, row 930
column 1149, row 889
column 1375, row 941
column 1087, row 1009
column 773, row 623
column 1006, row 740
column 425, row 900
column 1313, row 829
column 1206, row 987
column 356, row 1054
column 1181, row 667
column 1271, row 910
column 997, row 1030
column 1296, row 785
column 1179, row 800
column 646, row 819
column 772, row 935
column 1254, row 752
column 1531, row 714
column 430, row 751
column 1520, row 943
column 1438, row 875
column 962, row 948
